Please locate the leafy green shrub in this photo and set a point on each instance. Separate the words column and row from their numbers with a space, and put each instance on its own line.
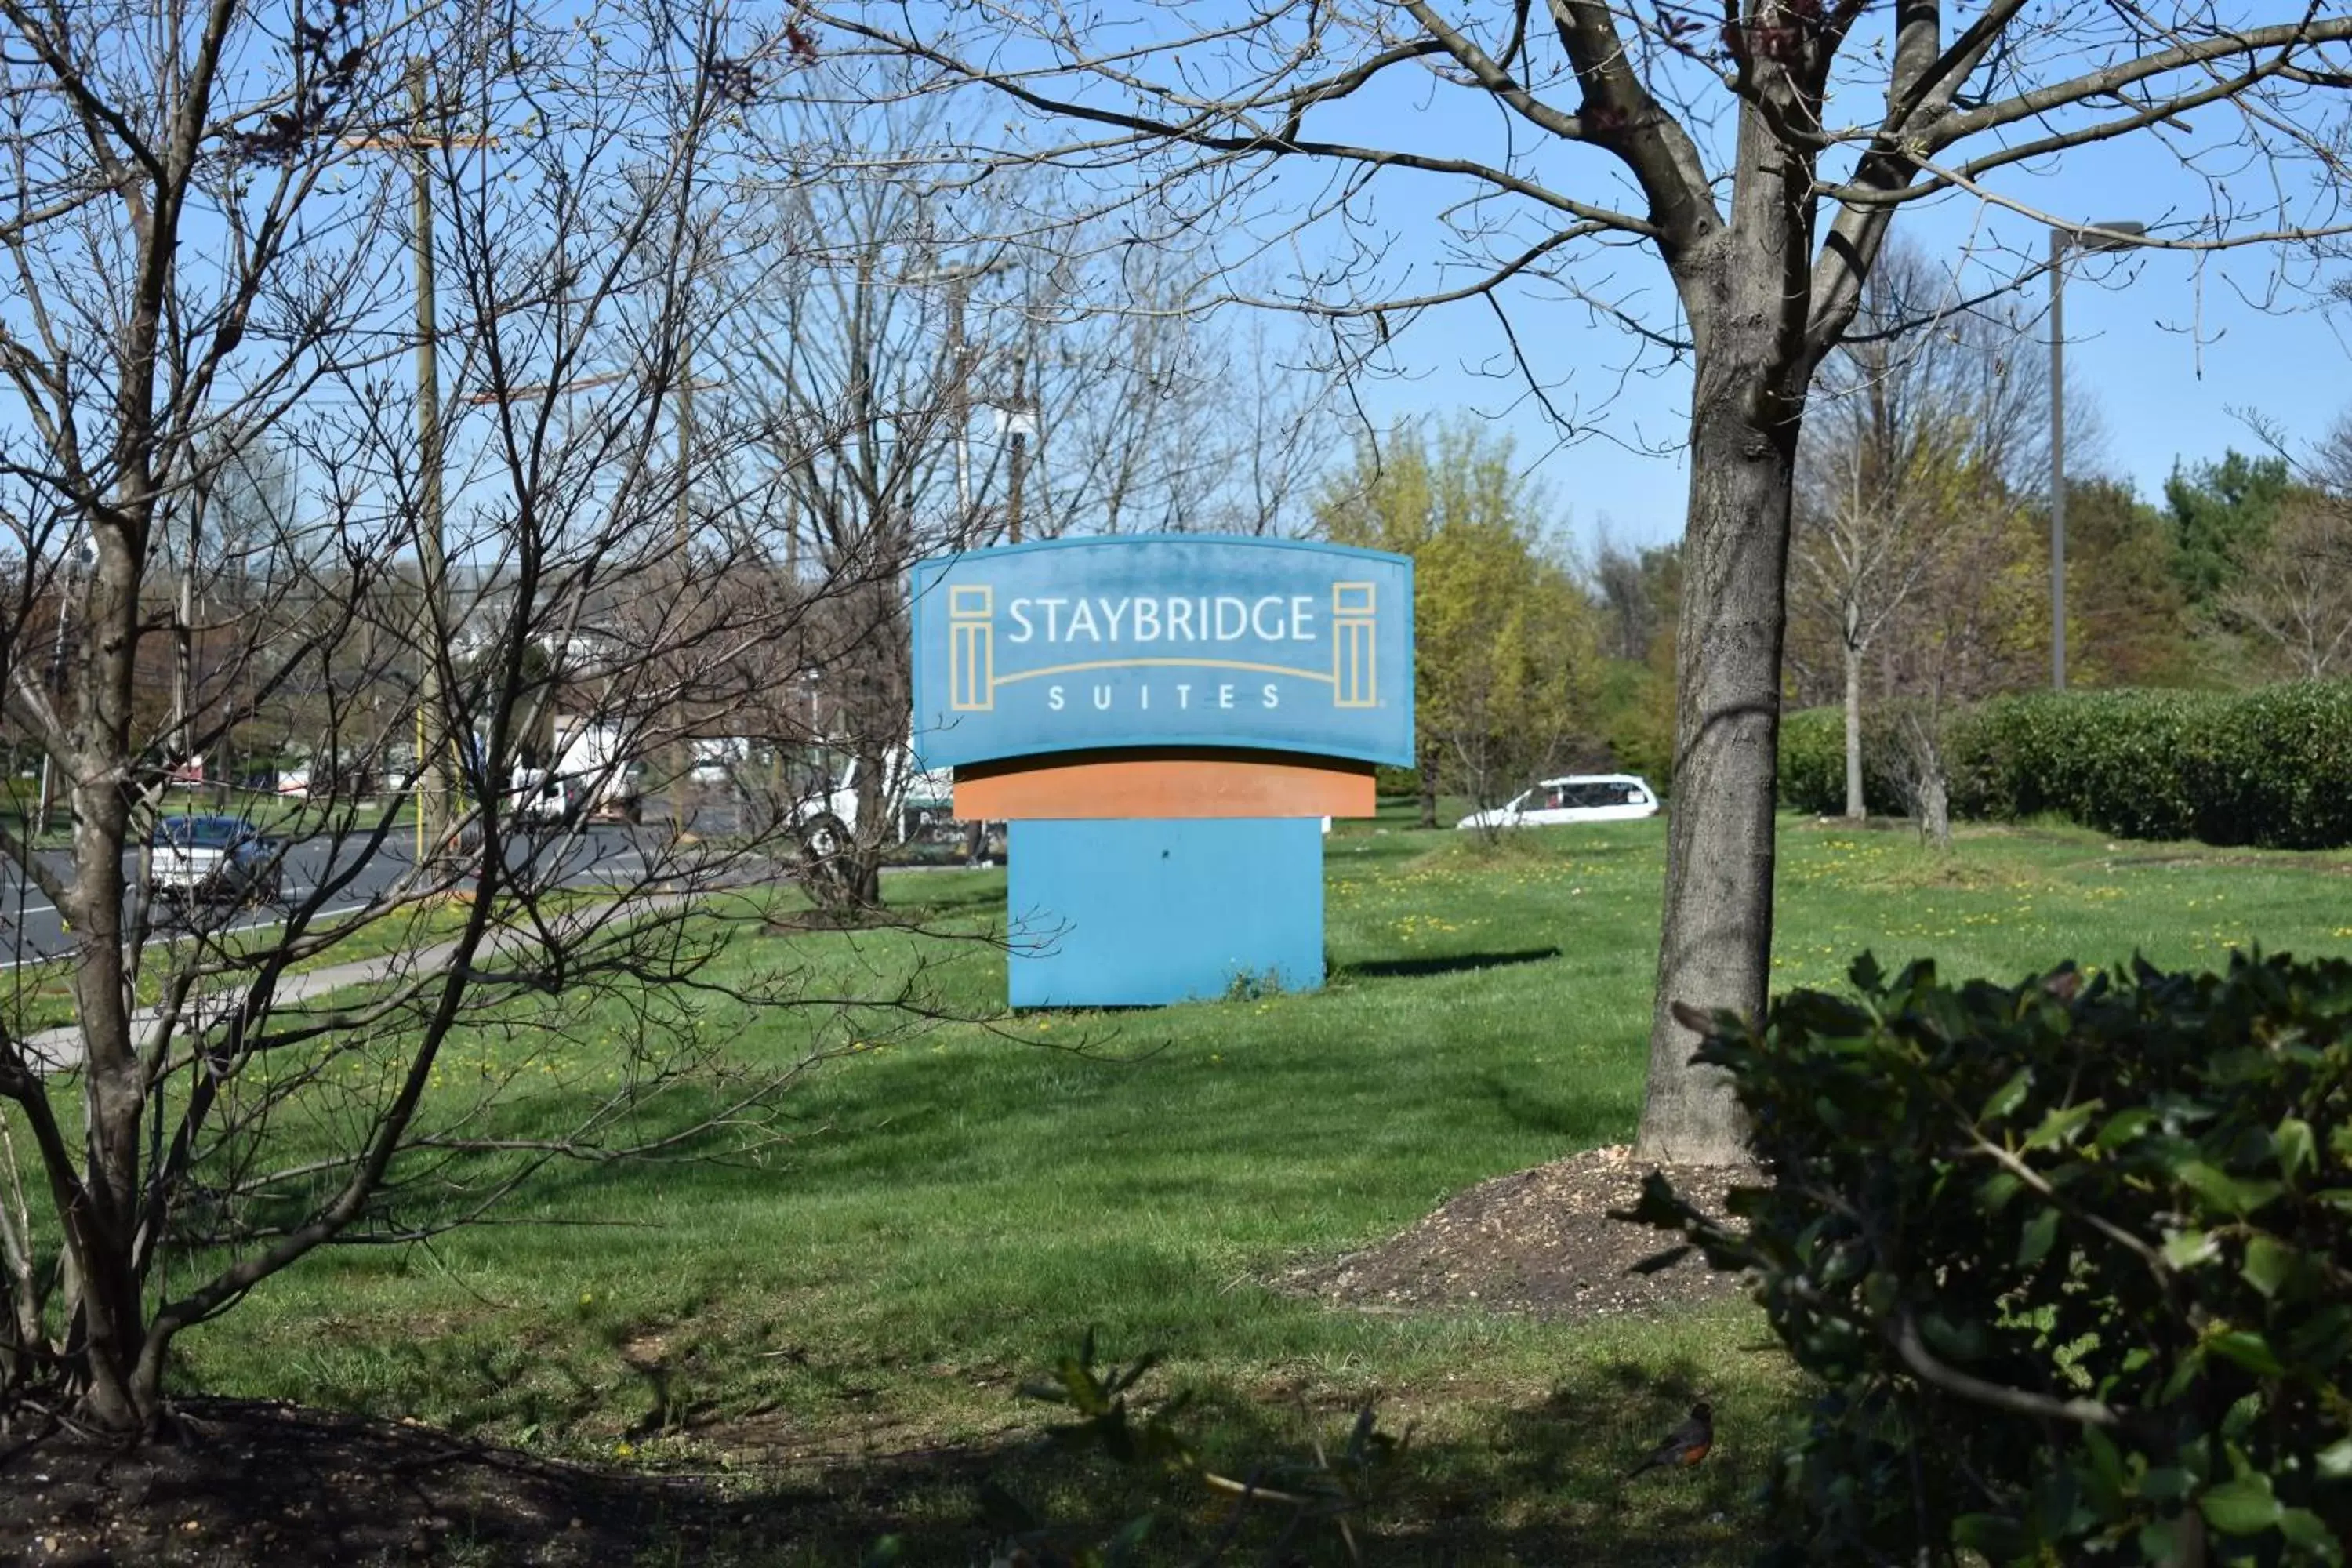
column 2273, row 766
column 2128, row 762
column 2280, row 765
column 1813, row 763
column 2074, row 1262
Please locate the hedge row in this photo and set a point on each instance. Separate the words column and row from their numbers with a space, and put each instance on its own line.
column 1813, row 763
column 2270, row 768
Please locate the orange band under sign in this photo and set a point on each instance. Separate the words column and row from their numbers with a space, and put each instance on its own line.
column 1090, row 786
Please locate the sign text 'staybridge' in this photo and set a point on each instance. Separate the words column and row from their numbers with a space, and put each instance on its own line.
column 1224, row 619
column 1163, row 640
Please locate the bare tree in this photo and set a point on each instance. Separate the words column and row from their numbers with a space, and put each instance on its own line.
column 1761, row 155
column 1974, row 627
column 857, row 353
column 219, row 235
column 950, row 356
column 1158, row 415
column 2296, row 595
column 1922, row 413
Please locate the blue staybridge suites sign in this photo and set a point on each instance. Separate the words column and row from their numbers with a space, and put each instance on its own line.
column 1165, row 721
column 1163, row 640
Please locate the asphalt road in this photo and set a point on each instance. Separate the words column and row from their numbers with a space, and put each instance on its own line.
column 30, row 930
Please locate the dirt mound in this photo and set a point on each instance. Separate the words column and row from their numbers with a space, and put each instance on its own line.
column 1537, row 1241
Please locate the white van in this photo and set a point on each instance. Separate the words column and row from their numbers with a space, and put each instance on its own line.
column 1579, row 797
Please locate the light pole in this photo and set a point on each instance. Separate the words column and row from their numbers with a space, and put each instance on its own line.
column 2112, row 235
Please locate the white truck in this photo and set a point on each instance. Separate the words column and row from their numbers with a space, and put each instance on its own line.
column 918, row 805
column 594, row 771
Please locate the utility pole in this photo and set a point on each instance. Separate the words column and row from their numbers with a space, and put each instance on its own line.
column 433, row 783
column 2114, row 235
column 436, row 797
column 1034, row 361
column 2058, row 242
column 959, row 403
column 958, row 360
column 682, row 760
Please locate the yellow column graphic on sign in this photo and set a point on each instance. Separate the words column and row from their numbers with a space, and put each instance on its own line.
column 1355, row 681
column 972, row 647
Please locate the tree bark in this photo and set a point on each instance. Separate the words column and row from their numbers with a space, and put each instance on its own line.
column 1931, row 789
column 1428, row 786
column 1744, row 289
column 871, row 834
column 1936, row 808
column 1716, row 947
column 104, row 1214
column 878, row 710
column 1856, row 808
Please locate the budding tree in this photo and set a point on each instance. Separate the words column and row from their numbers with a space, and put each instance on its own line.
column 1758, row 155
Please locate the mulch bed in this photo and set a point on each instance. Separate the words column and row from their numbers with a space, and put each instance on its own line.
column 1539, row 1242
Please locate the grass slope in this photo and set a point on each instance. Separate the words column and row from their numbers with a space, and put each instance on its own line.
column 961, row 1205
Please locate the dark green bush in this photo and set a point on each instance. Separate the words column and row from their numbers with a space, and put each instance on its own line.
column 2074, row 1262
column 1813, row 763
column 2279, row 766
column 2270, row 767
column 2129, row 762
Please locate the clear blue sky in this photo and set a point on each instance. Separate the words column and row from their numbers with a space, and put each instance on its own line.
column 2158, row 395
column 2170, row 347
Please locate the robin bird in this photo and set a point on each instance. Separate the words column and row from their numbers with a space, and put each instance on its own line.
column 1686, row 1446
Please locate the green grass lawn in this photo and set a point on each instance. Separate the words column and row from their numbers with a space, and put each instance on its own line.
column 958, row 1205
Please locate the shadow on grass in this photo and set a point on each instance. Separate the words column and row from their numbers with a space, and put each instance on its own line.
column 1503, row 1472
column 1445, row 963
column 1537, row 1481
column 1573, row 1121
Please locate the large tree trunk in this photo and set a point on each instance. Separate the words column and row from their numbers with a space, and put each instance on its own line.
column 1856, row 808
column 1428, row 770
column 1745, row 293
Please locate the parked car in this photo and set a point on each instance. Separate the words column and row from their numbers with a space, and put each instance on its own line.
column 212, row 858
column 1579, row 797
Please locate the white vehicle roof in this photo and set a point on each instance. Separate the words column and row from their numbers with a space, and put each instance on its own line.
column 1594, row 778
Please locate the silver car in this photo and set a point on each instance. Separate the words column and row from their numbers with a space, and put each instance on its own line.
column 212, row 858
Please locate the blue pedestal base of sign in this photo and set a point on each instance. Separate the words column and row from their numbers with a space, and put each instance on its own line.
column 1136, row 913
